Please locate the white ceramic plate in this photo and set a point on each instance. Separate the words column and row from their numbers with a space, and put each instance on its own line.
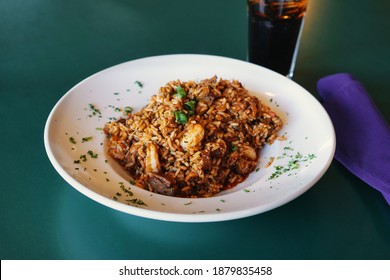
column 74, row 140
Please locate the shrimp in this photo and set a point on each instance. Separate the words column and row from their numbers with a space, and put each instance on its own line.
column 192, row 137
column 152, row 160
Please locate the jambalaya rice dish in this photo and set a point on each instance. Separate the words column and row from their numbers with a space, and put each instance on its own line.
column 193, row 139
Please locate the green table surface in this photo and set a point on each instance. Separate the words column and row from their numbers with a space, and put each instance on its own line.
column 46, row 47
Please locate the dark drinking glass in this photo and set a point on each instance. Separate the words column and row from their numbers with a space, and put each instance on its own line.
column 274, row 29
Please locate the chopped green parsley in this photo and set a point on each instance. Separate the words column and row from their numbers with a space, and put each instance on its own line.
column 293, row 164
column 180, row 117
column 92, row 154
column 136, row 201
column 140, row 84
column 128, row 110
column 86, row 139
column 94, row 110
column 124, row 189
column 180, row 92
column 190, row 107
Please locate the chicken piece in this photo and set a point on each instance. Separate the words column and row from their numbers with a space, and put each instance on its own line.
column 245, row 166
column 192, row 137
column 249, row 152
column 152, row 161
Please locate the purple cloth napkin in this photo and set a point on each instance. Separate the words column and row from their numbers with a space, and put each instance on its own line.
column 363, row 135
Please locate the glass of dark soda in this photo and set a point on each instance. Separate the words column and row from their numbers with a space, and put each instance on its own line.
column 274, row 31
